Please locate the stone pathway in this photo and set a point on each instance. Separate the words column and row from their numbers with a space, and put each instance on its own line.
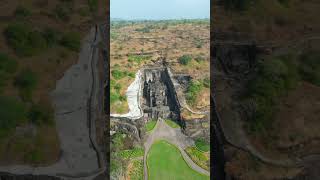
column 173, row 136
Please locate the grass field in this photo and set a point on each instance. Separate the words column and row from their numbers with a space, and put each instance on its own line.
column 150, row 125
column 172, row 123
column 165, row 162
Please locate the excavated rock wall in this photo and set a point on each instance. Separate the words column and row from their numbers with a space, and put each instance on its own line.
column 127, row 126
column 198, row 128
column 159, row 95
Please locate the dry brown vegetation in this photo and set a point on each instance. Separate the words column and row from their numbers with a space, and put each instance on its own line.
column 153, row 39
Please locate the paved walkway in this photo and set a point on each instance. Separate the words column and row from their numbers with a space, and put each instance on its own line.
column 174, row 136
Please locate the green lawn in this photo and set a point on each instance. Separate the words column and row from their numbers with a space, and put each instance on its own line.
column 202, row 145
column 165, row 162
column 172, row 123
column 150, row 125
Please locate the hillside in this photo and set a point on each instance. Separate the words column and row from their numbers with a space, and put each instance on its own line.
column 267, row 82
column 39, row 41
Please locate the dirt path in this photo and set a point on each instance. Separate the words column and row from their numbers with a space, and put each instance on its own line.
column 173, row 136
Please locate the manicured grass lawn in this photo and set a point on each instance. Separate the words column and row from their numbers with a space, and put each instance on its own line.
column 172, row 123
column 150, row 125
column 202, row 159
column 202, row 145
column 165, row 162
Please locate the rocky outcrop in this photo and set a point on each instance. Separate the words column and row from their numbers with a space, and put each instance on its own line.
column 198, row 128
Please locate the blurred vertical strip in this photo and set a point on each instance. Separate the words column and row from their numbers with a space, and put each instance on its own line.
column 107, row 88
column 217, row 163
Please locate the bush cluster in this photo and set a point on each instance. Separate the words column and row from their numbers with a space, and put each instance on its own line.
column 26, row 81
column 274, row 79
column 7, row 67
column 138, row 58
column 24, row 40
column 185, row 59
column 309, row 67
column 27, row 41
column 193, row 90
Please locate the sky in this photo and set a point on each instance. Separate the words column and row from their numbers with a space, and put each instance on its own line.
column 159, row 9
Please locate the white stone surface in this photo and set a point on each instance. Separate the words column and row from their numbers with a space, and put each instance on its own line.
column 133, row 98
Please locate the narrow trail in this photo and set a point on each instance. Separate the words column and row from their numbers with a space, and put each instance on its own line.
column 162, row 131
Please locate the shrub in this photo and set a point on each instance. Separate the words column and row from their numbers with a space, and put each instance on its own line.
column 185, row 59
column 24, row 40
column 309, row 67
column 26, row 81
column 7, row 67
column 137, row 172
column 138, row 58
column 22, row 12
column 63, row 11
column 7, row 64
column 193, row 90
column 198, row 157
column 206, row 82
column 52, row 37
column 143, row 30
column 274, row 79
column 117, row 87
column 131, row 74
column 117, row 74
column 71, row 40
column 40, row 114
column 12, row 113
column 114, row 96
column 202, row 145
column 132, row 153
